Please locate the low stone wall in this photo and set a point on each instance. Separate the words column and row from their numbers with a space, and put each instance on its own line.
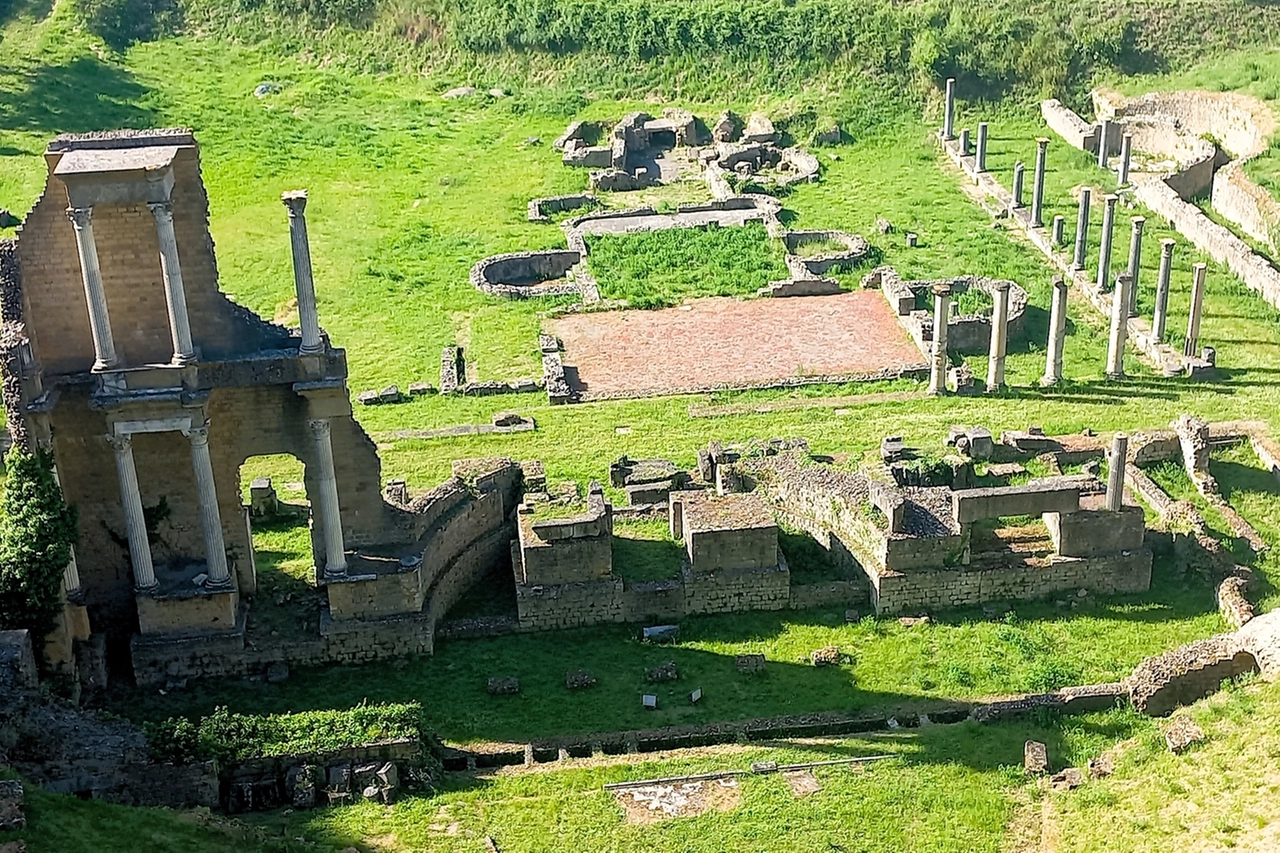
column 969, row 333
column 540, row 209
column 1215, row 240
column 518, row 275
column 929, row 589
column 1252, row 208
column 1064, row 122
column 856, row 250
column 1164, row 682
column 1242, row 124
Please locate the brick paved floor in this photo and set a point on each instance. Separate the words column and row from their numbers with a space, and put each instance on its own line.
column 729, row 342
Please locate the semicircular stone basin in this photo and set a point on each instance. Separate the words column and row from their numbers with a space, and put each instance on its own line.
column 522, row 274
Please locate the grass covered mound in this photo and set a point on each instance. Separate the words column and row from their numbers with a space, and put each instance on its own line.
column 234, row 738
column 656, row 269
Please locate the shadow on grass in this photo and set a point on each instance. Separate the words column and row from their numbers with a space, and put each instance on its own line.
column 81, row 96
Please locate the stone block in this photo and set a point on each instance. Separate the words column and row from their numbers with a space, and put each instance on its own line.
column 1036, row 498
column 12, row 818
column 1089, row 533
column 825, row 656
column 263, row 501
column 1067, row 780
column 302, row 784
column 665, row 672
column 418, row 389
column 1181, row 734
column 579, row 679
column 503, row 686
column 368, row 398
column 750, row 663
column 661, row 634
column 1035, row 758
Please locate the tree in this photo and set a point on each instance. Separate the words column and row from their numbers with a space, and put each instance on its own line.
column 36, row 536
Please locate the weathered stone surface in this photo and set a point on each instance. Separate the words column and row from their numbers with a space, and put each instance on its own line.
column 1182, row 733
column 749, row 663
column 11, row 796
column 1035, row 758
column 579, row 679
column 459, row 92
column 1067, row 780
column 727, row 127
column 503, row 686
column 825, row 656
column 759, row 128
column 1102, row 766
column 665, row 672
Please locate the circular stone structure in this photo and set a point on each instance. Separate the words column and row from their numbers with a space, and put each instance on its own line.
column 522, row 274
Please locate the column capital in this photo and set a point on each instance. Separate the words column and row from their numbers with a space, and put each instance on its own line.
column 320, row 427
column 295, row 200
column 942, row 289
column 1138, row 221
column 1167, row 244
column 1059, row 283
column 80, row 216
column 120, row 443
column 1001, row 285
column 1111, row 199
column 198, row 433
column 161, row 209
column 1042, row 141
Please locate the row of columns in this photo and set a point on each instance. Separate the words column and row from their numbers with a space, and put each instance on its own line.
column 105, row 355
column 219, row 575
column 104, row 348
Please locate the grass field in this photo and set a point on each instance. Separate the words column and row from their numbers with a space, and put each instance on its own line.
column 409, row 190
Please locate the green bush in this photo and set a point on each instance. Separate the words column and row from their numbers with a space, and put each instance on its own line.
column 234, row 738
column 38, row 533
column 120, row 23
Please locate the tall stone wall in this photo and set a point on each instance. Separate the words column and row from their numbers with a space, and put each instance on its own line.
column 129, row 257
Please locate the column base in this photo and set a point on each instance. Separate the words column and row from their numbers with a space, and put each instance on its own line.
column 219, row 586
column 311, row 350
column 1119, row 375
column 1049, row 381
column 335, row 574
column 180, row 360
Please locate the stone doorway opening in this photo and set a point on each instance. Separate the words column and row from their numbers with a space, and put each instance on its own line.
column 277, row 516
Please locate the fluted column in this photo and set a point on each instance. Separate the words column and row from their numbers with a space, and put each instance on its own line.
column 175, row 296
column 1119, row 327
column 941, row 316
column 335, row 559
column 1135, row 262
column 1057, row 334
column 1160, row 318
column 1115, row 473
column 1126, row 156
column 1082, row 229
column 1192, row 342
column 296, row 202
column 999, row 336
column 1037, row 189
column 104, row 346
column 1108, row 233
column 144, row 574
column 210, row 519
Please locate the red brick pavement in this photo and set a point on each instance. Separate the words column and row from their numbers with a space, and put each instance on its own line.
column 725, row 341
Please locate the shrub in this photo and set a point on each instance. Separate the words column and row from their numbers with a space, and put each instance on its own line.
column 38, row 532
column 120, row 23
column 234, row 738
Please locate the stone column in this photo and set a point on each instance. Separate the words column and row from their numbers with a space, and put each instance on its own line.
column 174, row 295
column 1126, row 154
column 210, row 519
column 1197, row 305
column 335, row 558
column 1057, row 334
column 1160, row 319
column 964, row 142
column 981, row 159
column 144, row 574
column 1082, row 229
column 1104, row 130
column 949, row 111
column 1037, row 190
column 1135, row 263
column 1115, row 473
column 296, row 202
column 1119, row 327
column 71, row 573
column 1108, row 233
column 1059, row 230
column 104, row 346
column 1019, row 176
column 999, row 336
column 940, row 362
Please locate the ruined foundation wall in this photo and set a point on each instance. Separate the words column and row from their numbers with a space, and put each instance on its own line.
column 960, row 587
column 1248, row 205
